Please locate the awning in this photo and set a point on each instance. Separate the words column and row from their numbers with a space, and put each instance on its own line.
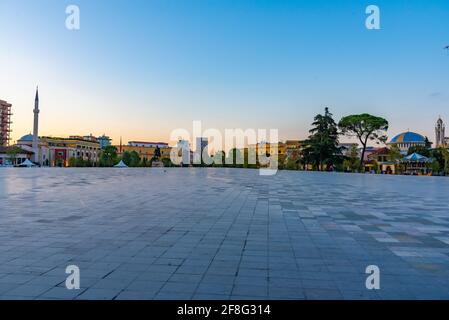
column 415, row 158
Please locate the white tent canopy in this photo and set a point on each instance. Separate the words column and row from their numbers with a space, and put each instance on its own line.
column 27, row 163
column 121, row 164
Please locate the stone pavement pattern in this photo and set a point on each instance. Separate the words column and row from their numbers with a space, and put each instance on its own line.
column 221, row 234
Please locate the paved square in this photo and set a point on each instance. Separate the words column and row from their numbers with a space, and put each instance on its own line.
column 221, row 234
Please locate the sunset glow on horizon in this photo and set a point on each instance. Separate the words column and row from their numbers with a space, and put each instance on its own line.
column 140, row 70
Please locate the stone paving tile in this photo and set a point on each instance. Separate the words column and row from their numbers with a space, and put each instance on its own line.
column 28, row 290
column 201, row 296
column 221, row 234
column 61, row 293
column 99, row 294
column 215, row 288
column 135, row 295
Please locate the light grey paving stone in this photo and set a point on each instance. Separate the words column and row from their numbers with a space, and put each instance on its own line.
column 61, row 293
column 28, row 290
column 215, row 288
column 296, row 234
column 135, row 295
column 201, row 296
column 173, row 296
column 250, row 290
column 145, row 286
column 14, row 298
column 323, row 294
column 98, row 294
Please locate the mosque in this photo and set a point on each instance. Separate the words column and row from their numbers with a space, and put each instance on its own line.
column 54, row 151
column 404, row 141
column 409, row 139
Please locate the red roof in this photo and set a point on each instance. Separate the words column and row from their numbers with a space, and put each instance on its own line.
column 381, row 151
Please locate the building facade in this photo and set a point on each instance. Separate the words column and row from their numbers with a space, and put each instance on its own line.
column 56, row 152
column 147, row 144
column 5, row 123
column 347, row 148
column 14, row 155
column 382, row 157
column 145, row 150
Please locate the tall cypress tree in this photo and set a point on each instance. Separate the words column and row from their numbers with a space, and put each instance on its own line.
column 322, row 144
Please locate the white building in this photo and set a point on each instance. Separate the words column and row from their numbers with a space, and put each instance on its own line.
column 144, row 144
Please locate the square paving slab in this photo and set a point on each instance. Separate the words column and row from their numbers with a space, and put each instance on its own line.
column 221, row 234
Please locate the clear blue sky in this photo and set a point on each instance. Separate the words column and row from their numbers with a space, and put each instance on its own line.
column 140, row 69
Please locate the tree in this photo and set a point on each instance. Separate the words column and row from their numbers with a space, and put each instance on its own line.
column 322, row 144
column 108, row 156
column 365, row 128
column 219, row 159
column 12, row 153
column 446, row 160
column 441, row 155
column 80, row 163
column 167, row 162
column 235, row 155
column 134, row 159
column 428, row 143
column 396, row 156
column 306, row 157
column 435, row 166
column 126, row 158
column 292, row 160
column 353, row 162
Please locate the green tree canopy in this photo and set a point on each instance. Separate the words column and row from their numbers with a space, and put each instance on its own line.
column 322, row 144
column 237, row 158
column 353, row 162
column 365, row 128
column 126, row 158
column 441, row 155
column 12, row 153
column 108, row 156
column 134, row 159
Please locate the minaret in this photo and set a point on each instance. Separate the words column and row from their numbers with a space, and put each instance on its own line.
column 440, row 133
column 36, row 128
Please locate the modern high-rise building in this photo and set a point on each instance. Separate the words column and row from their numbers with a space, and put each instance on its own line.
column 440, row 133
column 5, row 122
column 104, row 141
column 201, row 149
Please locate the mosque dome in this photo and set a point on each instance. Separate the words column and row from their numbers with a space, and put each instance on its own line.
column 27, row 138
column 408, row 137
